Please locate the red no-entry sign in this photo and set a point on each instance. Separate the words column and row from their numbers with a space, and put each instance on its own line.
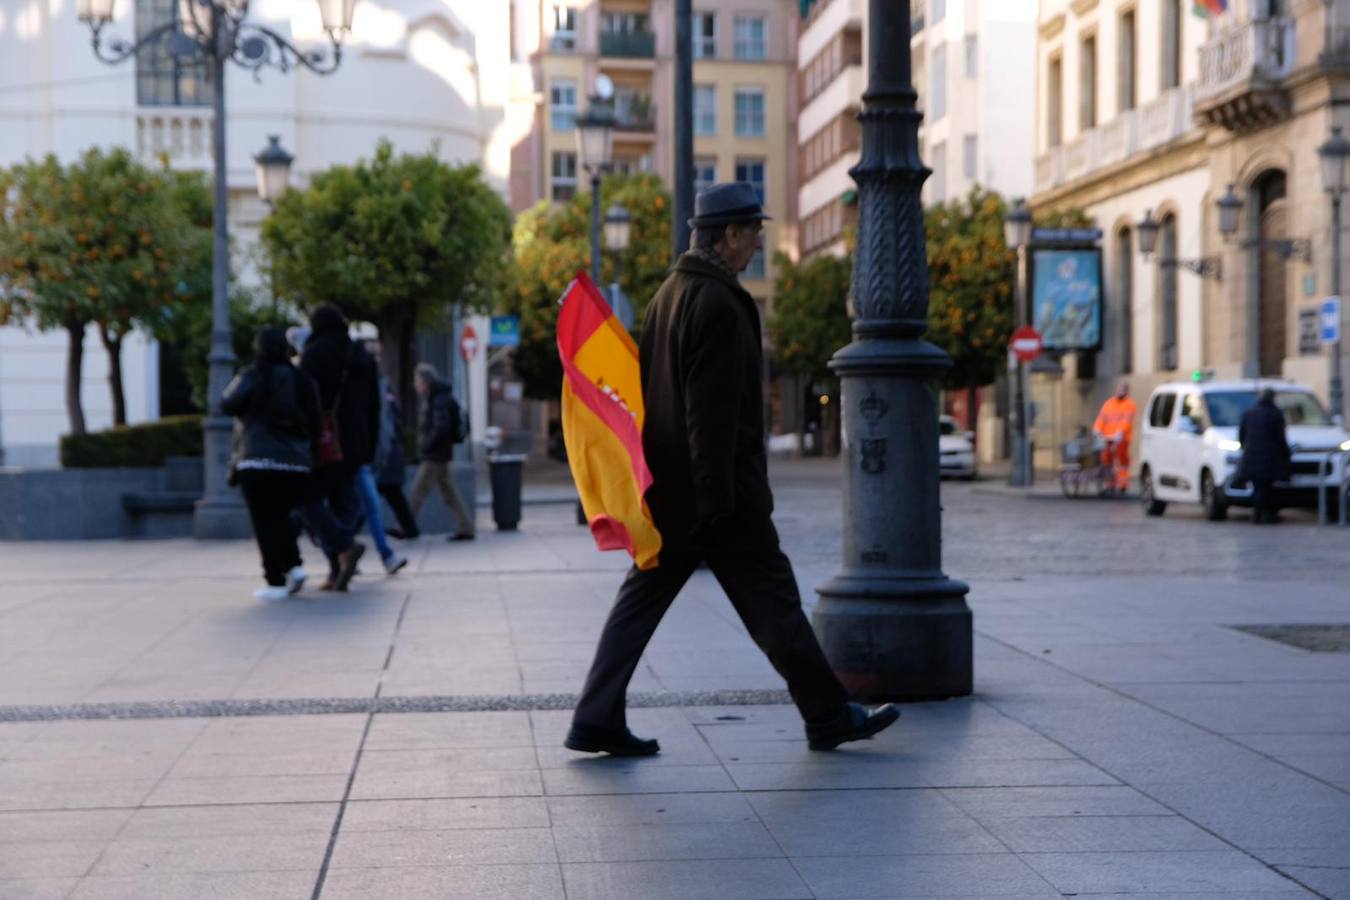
column 1026, row 343
column 468, row 343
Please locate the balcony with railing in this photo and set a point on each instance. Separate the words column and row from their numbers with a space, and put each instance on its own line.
column 180, row 133
column 1242, row 70
column 628, row 44
column 634, row 114
column 1155, row 124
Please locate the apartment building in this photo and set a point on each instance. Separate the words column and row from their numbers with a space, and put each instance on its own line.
column 974, row 70
column 1145, row 107
column 744, row 99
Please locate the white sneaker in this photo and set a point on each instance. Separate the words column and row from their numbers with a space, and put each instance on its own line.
column 271, row 593
column 394, row 563
column 295, row 580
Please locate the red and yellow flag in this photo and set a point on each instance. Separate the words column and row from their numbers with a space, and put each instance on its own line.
column 602, row 423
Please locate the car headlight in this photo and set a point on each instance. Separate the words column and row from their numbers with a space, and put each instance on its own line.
column 1234, row 446
column 1345, row 445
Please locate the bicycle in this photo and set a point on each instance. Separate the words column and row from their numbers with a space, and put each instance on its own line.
column 1085, row 469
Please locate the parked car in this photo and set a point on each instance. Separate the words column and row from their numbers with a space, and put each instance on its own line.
column 1189, row 451
column 956, row 449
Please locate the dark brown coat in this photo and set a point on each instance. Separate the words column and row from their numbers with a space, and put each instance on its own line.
column 702, row 371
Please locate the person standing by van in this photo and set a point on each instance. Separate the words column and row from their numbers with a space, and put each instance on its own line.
column 1115, row 427
column 1265, row 455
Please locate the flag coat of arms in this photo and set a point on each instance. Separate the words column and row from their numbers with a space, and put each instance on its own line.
column 602, row 416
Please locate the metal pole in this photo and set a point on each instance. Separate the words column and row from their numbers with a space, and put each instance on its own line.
column 220, row 513
column 1020, row 476
column 684, row 126
column 1337, row 395
column 892, row 624
column 595, row 226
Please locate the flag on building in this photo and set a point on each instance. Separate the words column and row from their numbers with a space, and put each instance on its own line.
column 602, row 417
column 1206, row 8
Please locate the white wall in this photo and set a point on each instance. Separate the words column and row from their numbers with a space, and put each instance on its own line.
column 421, row 73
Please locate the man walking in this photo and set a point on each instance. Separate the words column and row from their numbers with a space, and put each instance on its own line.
column 438, row 430
column 1115, row 426
column 1265, row 455
column 704, row 442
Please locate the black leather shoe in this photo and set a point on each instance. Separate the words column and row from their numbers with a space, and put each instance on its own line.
column 855, row 722
column 615, row 742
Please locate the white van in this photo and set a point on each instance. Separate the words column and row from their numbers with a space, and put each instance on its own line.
column 1189, row 450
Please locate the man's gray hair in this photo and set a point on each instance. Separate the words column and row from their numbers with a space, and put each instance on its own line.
column 427, row 372
column 707, row 237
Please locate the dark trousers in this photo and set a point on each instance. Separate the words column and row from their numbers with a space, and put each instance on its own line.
column 393, row 495
column 763, row 591
column 332, row 510
column 270, row 497
column 1263, row 500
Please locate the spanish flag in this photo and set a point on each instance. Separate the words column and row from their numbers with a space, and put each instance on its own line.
column 602, row 423
column 1206, row 8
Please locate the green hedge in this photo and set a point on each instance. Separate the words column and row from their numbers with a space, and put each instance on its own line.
column 133, row 446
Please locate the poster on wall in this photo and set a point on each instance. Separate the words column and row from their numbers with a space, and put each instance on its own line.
column 1066, row 297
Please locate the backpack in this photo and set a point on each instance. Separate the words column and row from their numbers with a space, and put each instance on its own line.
column 459, row 425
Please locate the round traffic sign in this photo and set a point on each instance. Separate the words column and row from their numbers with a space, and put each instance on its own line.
column 468, row 343
column 1026, row 343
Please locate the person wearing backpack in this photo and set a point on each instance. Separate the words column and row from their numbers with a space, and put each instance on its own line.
column 278, row 411
column 349, row 408
column 440, row 426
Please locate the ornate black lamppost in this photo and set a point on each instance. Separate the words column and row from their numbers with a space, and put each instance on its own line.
column 212, row 33
column 893, row 625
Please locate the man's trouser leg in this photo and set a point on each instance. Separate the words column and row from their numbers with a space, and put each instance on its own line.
column 393, row 495
column 1122, row 465
column 421, row 486
column 446, row 485
column 764, row 592
column 643, row 599
column 1263, row 507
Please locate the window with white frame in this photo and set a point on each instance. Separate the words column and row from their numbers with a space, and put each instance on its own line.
column 705, row 109
column 751, row 171
column 939, row 11
column 939, row 177
column 705, row 35
column 750, row 43
column 972, row 56
column 564, row 27
column 750, row 112
column 564, row 176
column 970, row 157
column 163, row 79
column 562, row 104
column 705, row 173
column 937, row 84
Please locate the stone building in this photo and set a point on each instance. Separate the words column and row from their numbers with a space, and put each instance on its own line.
column 1147, row 108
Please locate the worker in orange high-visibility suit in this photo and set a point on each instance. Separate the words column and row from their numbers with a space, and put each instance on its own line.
column 1115, row 426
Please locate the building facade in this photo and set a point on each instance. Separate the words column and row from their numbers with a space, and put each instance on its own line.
column 1145, row 107
column 974, row 71
column 421, row 73
column 744, row 99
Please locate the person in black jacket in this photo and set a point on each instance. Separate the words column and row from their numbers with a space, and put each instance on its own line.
column 278, row 411
column 1265, row 455
column 438, row 430
column 348, row 390
column 703, row 439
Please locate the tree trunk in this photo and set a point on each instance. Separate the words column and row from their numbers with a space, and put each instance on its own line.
column 398, row 335
column 113, row 344
column 74, row 372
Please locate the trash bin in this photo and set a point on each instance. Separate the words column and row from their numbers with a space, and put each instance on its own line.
column 504, row 472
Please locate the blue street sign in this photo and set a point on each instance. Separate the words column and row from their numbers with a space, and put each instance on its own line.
column 505, row 331
column 1331, row 320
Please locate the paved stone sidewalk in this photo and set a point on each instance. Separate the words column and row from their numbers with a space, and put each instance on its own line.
column 1122, row 740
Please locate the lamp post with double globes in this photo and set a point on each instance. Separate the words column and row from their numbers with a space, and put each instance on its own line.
column 210, row 33
column 1335, row 158
column 595, row 145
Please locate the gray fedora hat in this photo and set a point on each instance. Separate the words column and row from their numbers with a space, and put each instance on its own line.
column 724, row 204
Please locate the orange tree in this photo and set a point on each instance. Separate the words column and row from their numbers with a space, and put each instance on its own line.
column 104, row 240
column 971, row 276
column 397, row 241
column 552, row 241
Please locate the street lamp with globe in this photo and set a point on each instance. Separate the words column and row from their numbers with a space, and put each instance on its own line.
column 618, row 233
column 210, row 33
column 1017, row 227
